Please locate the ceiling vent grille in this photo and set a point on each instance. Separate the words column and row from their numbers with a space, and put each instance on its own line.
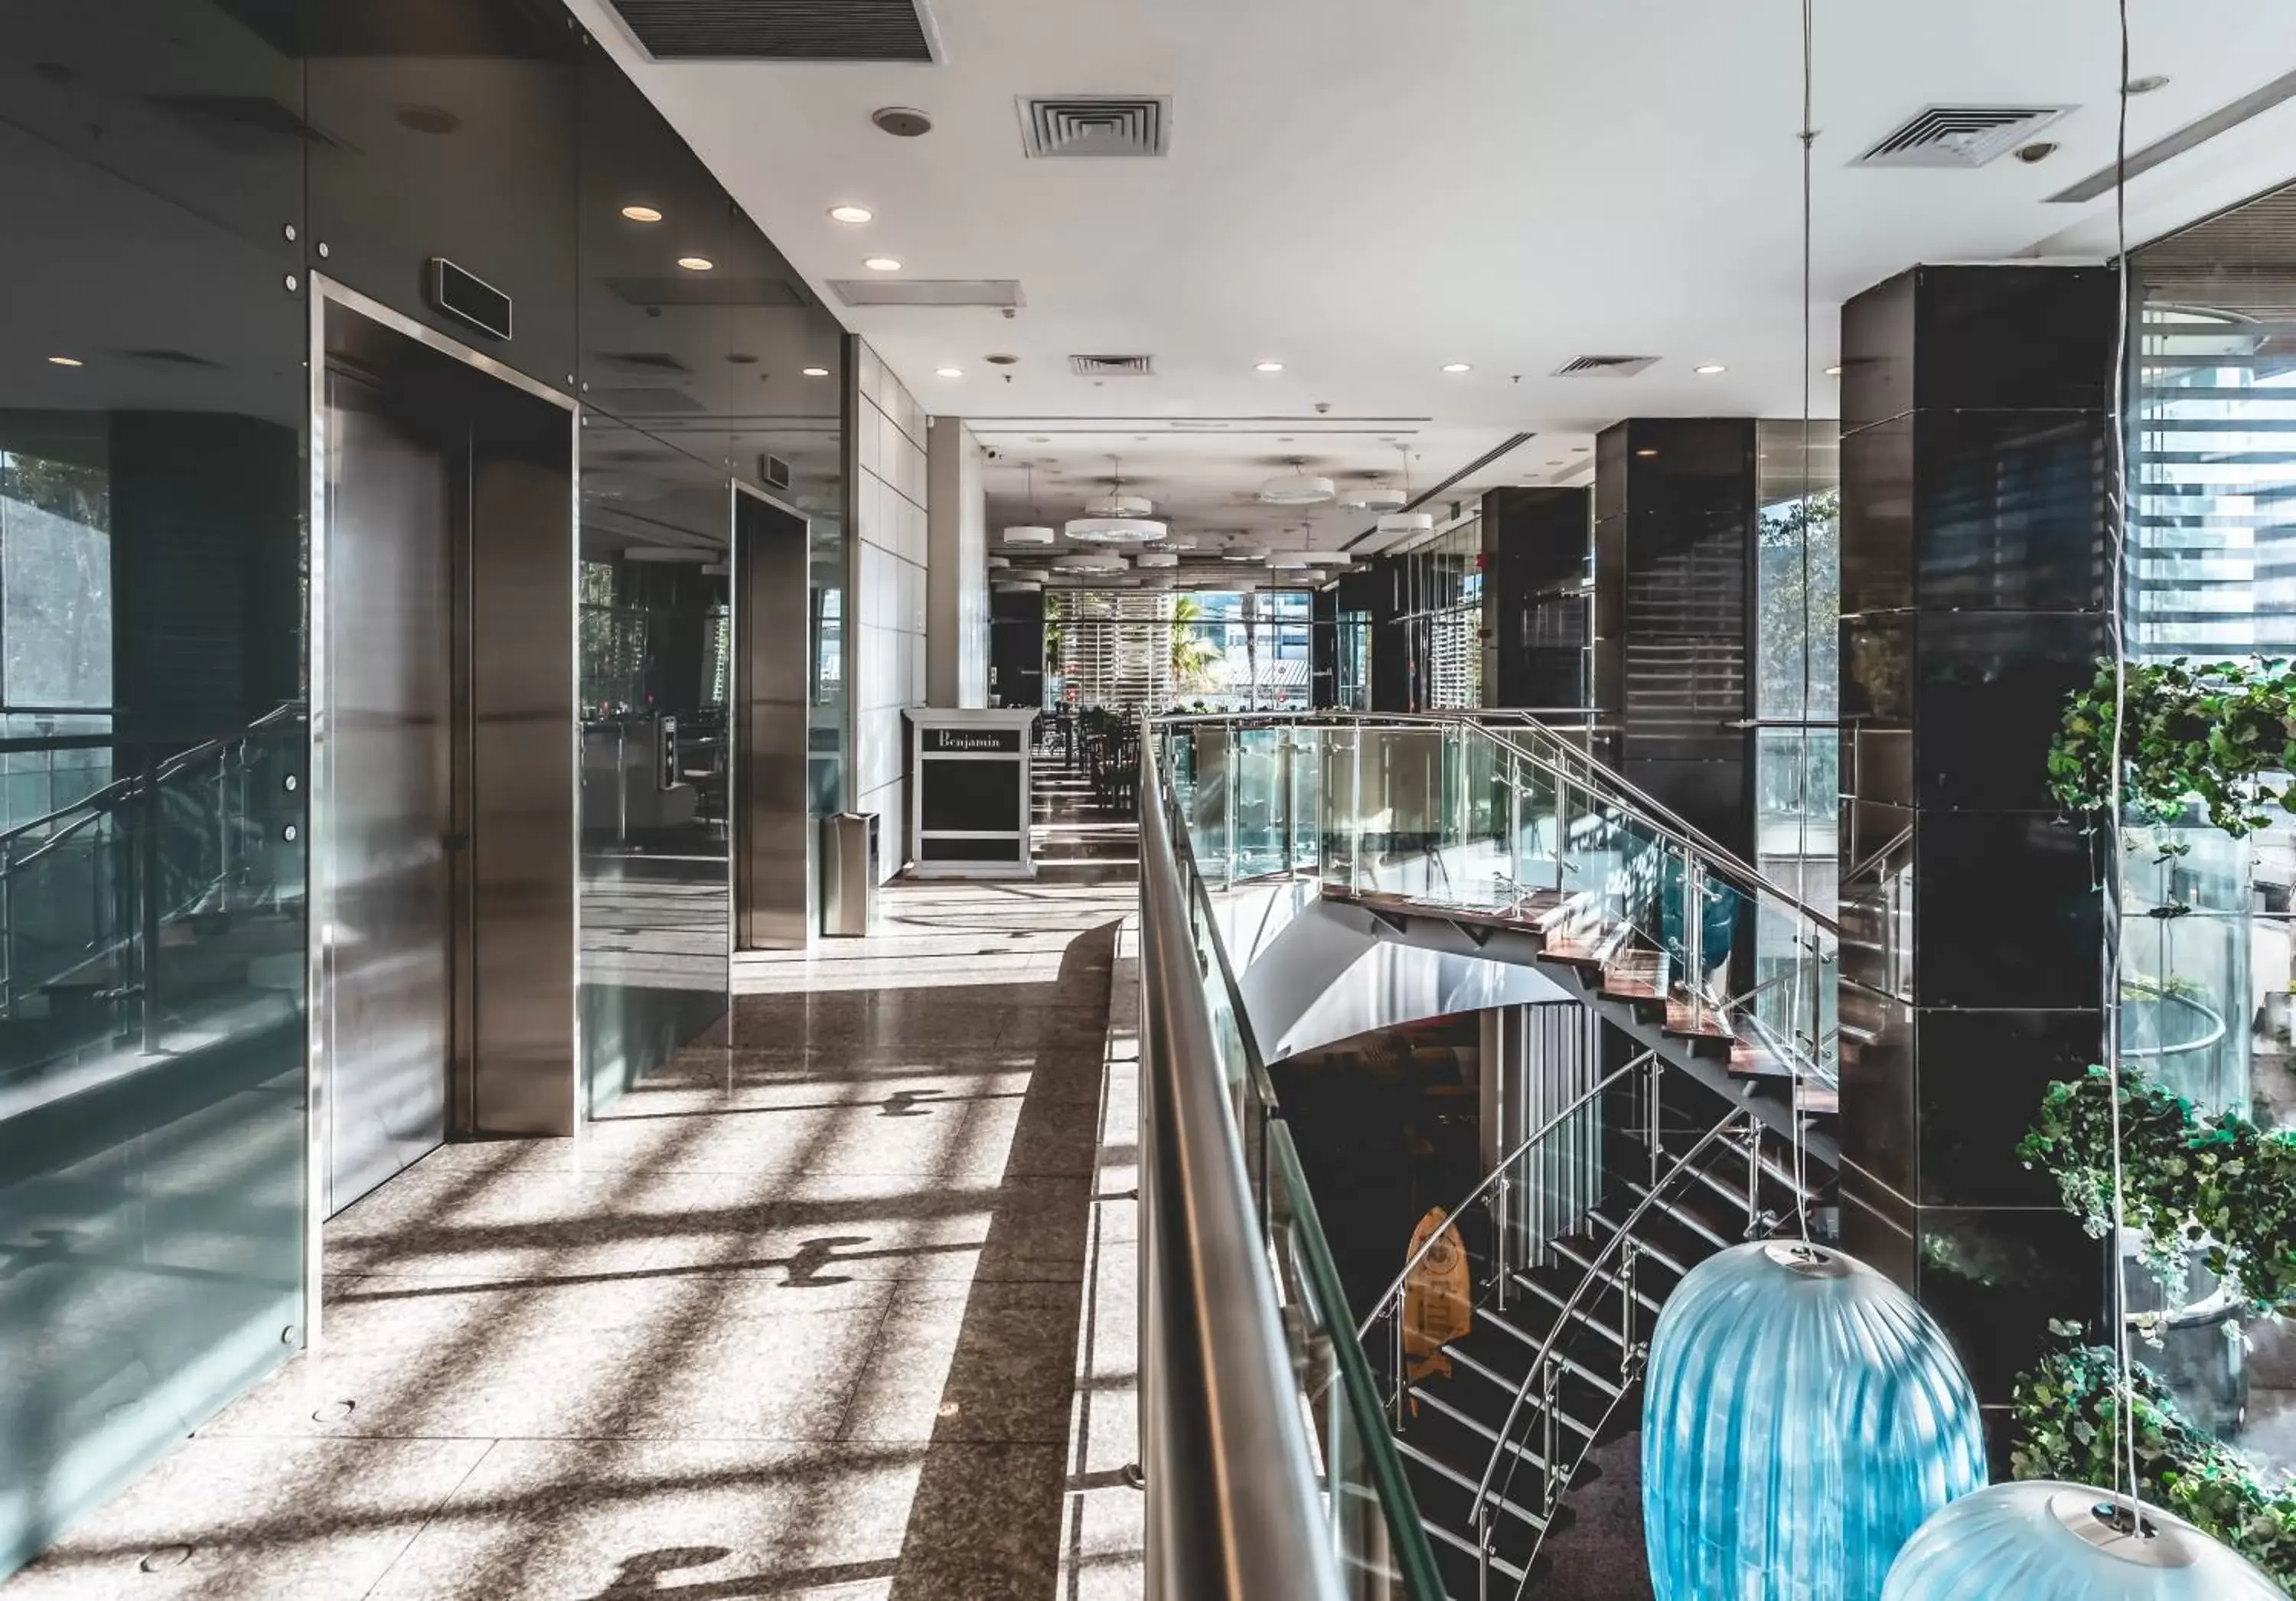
column 1960, row 136
column 927, row 291
column 1605, row 366
column 1113, row 367
column 782, row 30
column 1095, row 125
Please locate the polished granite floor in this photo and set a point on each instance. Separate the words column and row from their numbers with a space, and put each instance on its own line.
column 797, row 1317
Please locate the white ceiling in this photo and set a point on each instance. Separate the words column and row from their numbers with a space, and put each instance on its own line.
column 1365, row 190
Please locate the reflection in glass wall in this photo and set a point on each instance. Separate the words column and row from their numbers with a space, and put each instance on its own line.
column 2208, row 962
column 153, row 1129
column 1440, row 582
column 1797, row 644
column 655, row 598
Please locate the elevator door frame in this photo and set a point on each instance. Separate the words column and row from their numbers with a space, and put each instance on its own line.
column 771, row 805
column 324, row 292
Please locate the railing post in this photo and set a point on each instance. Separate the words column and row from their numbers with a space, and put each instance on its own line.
column 1550, row 1389
column 1753, row 1174
column 1501, row 1215
column 148, row 854
column 1650, row 1093
column 1396, row 1370
column 8, row 927
column 1627, row 1256
column 1229, row 776
column 1693, row 934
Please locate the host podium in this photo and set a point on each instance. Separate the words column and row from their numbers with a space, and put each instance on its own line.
column 969, row 793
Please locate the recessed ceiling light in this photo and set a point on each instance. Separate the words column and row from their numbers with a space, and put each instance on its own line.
column 696, row 264
column 881, row 263
column 65, row 361
column 948, row 372
column 1646, row 450
column 1580, row 449
column 1833, row 372
column 815, row 371
column 850, row 214
column 1456, row 366
column 1267, row 366
column 1040, row 438
column 2147, row 84
column 1709, row 369
column 641, row 213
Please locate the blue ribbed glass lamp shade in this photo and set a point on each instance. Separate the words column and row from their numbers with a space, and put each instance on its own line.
column 1801, row 1416
column 2043, row 1540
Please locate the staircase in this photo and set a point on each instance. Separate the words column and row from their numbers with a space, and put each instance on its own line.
column 1552, row 1365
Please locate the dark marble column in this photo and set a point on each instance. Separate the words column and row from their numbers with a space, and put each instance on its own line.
column 1975, row 433
column 1675, row 521
column 1534, row 601
column 1395, row 678
column 1016, row 646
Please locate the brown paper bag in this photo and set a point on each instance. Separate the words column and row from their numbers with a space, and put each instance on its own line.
column 1438, row 1299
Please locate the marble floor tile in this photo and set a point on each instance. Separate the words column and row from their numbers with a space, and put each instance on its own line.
column 255, row 1520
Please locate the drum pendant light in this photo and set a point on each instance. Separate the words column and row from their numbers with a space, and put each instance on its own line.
column 1801, row 1416
column 2043, row 1540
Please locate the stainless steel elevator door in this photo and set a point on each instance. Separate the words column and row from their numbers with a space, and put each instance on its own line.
column 390, row 755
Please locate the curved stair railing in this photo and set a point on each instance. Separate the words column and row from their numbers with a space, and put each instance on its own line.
column 1559, row 1465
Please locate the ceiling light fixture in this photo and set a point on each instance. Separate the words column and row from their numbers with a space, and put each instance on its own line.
column 1267, row 366
column 641, row 213
column 1833, row 372
column 1709, row 369
column 1646, row 450
column 1157, row 558
column 853, row 214
column 696, row 264
column 1032, row 532
column 815, row 371
column 1407, row 522
column 1457, row 366
column 1113, row 531
column 1298, row 489
column 883, row 264
column 1245, row 553
column 1090, row 561
column 1117, row 506
column 948, row 372
column 65, row 361
column 2147, row 84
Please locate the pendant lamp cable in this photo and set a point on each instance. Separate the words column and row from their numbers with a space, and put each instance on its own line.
column 1808, row 136
column 2116, row 552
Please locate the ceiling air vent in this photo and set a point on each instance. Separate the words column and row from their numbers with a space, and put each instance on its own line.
column 1113, row 367
column 1958, row 136
column 1605, row 366
column 927, row 291
column 782, row 30
column 1095, row 125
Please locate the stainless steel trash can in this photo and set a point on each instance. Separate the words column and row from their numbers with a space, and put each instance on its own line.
column 848, row 873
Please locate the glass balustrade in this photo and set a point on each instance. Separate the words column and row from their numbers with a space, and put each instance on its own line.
column 1517, row 822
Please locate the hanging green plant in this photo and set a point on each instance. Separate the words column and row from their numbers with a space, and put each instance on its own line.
column 2221, row 732
column 2065, row 1424
column 2196, row 1185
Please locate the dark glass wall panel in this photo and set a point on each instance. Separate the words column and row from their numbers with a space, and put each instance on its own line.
column 446, row 130
column 656, row 634
column 152, row 404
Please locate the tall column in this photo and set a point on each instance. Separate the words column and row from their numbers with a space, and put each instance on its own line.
column 1536, row 543
column 1016, row 647
column 1675, row 525
column 956, row 568
column 1975, row 419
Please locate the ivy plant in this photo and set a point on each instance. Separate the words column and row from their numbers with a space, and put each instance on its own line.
column 2065, row 1424
column 2194, row 1182
column 2223, row 733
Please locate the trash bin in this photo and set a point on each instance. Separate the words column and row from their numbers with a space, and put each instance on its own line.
column 848, row 873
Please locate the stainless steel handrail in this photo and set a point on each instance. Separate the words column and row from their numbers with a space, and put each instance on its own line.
column 1231, row 1482
column 1394, row 1289
column 1585, row 771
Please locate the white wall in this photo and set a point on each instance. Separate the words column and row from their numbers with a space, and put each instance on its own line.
column 956, row 584
column 888, row 605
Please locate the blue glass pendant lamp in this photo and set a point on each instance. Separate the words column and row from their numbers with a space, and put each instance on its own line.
column 2043, row 1540
column 1801, row 1417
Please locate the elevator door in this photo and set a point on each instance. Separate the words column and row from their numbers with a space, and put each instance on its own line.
column 390, row 695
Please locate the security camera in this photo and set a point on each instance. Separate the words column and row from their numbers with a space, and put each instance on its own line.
column 1322, row 408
